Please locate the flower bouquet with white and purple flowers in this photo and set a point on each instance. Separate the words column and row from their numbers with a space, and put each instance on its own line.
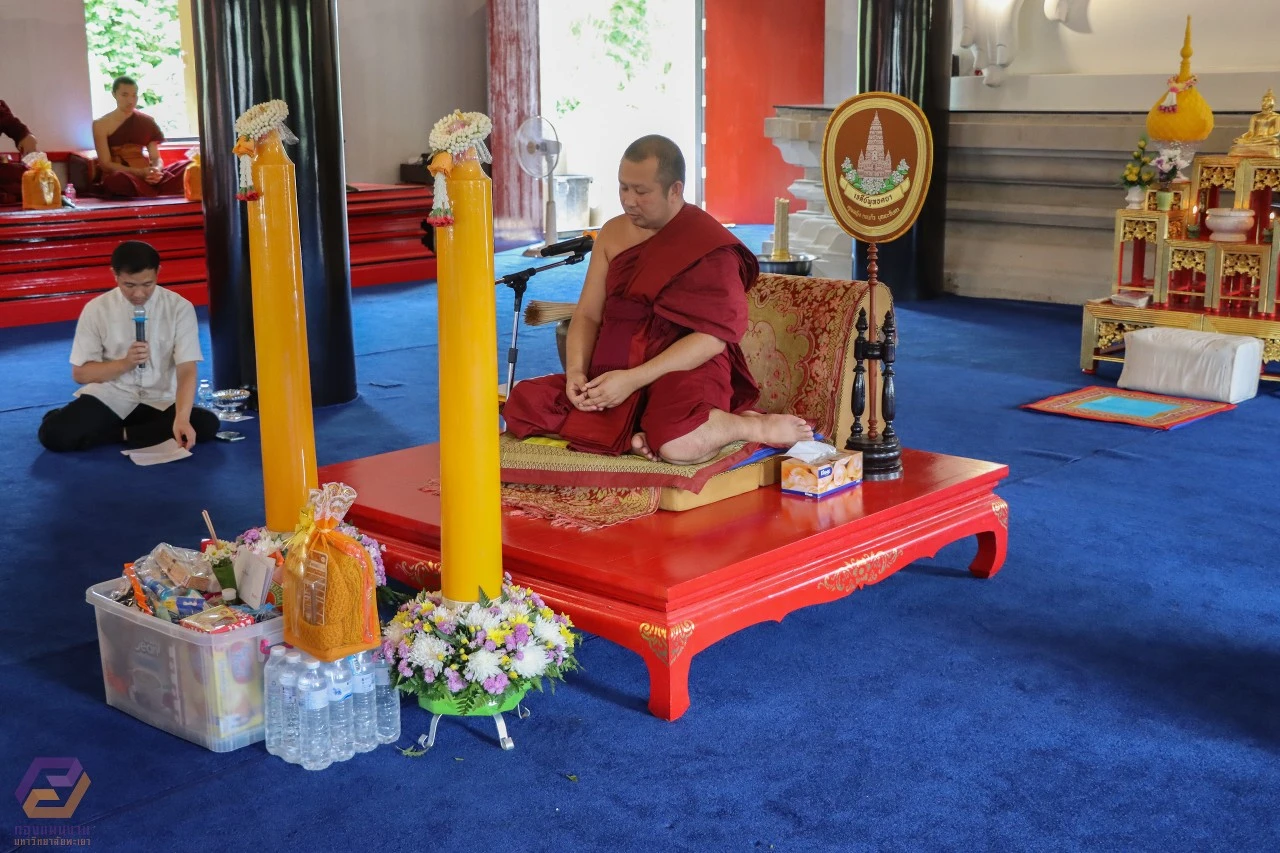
column 477, row 658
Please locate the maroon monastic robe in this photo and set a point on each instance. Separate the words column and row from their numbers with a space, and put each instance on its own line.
column 692, row 276
column 128, row 144
column 11, row 173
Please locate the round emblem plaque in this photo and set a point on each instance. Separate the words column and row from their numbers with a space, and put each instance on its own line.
column 877, row 158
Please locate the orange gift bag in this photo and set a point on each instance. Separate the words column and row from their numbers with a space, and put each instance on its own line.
column 41, row 189
column 330, row 605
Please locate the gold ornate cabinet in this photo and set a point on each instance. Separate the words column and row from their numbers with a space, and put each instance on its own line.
column 1168, row 263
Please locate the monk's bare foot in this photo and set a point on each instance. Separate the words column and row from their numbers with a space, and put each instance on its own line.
column 781, row 430
column 640, row 447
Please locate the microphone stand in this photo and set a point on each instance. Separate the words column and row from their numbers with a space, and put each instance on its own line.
column 518, row 282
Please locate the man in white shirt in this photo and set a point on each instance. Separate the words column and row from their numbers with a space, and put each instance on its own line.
column 136, row 392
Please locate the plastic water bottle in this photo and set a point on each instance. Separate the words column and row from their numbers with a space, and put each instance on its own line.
column 388, row 702
column 204, row 394
column 363, row 702
column 342, row 731
column 313, row 730
column 290, row 669
column 273, row 699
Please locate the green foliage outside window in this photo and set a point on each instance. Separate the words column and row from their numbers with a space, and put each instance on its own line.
column 143, row 40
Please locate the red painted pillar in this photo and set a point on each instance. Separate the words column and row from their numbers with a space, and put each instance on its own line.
column 514, row 95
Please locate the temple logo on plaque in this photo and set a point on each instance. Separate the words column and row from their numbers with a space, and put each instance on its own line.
column 877, row 158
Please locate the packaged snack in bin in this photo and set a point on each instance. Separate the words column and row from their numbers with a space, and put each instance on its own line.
column 184, row 567
column 330, row 609
column 218, row 620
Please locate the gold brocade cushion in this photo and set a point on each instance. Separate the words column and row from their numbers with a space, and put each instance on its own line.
column 799, row 346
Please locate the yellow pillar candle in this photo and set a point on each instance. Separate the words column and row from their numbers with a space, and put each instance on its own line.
column 781, row 239
column 280, row 337
column 470, row 502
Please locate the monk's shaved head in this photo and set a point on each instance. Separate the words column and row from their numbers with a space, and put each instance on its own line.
column 667, row 153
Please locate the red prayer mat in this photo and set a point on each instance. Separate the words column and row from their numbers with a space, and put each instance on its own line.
column 1120, row 405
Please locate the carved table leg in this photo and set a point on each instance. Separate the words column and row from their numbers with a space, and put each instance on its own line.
column 993, row 543
column 668, row 663
column 668, row 687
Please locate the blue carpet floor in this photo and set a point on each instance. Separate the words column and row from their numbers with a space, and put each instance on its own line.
column 1115, row 687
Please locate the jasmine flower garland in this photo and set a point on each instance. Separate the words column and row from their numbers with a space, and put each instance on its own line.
column 449, row 139
column 253, row 124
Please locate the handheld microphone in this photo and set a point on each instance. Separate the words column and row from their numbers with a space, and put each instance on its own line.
column 140, row 327
column 578, row 245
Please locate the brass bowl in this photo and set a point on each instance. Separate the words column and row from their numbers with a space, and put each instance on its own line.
column 800, row 264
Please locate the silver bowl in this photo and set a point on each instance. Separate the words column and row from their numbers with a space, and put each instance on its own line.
column 799, row 264
column 228, row 402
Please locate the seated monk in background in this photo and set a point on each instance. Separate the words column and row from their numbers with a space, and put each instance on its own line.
column 652, row 362
column 126, row 142
column 11, row 173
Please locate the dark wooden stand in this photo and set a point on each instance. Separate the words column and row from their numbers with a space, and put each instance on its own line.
column 881, row 454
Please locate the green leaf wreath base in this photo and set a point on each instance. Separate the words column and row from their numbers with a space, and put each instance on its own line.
column 473, row 704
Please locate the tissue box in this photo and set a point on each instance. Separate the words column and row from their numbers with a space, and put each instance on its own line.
column 821, row 477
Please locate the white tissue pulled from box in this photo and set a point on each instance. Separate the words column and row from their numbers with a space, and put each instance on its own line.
column 811, row 451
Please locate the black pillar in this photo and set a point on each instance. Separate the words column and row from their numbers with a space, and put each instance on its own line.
column 249, row 51
column 906, row 49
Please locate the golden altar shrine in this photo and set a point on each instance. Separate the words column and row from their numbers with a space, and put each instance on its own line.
column 1168, row 270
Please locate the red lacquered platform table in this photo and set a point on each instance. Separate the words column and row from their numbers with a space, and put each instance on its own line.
column 669, row 585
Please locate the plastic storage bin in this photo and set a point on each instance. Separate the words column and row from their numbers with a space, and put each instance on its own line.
column 205, row 688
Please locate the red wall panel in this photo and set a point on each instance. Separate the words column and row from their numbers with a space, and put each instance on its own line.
column 759, row 53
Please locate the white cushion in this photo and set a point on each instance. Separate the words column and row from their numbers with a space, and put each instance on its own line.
column 1185, row 363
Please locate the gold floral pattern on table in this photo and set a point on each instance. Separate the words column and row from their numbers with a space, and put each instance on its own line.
column 422, row 573
column 1218, row 176
column 1001, row 510
column 1187, row 259
column 1270, row 349
column 1139, row 229
column 1113, row 333
column 667, row 643
column 1241, row 264
column 1153, row 203
column 1266, row 179
column 861, row 571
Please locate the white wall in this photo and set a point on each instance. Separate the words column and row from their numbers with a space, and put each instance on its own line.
column 44, row 71
column 404, row 65
column 1115, row 55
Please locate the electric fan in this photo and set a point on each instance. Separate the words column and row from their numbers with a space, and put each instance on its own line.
column 537, row 152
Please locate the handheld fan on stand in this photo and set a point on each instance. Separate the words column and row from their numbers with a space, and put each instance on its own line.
column 537, row 152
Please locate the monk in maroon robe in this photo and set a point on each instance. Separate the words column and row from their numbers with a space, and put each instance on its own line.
column 126, row 141
column 11, row 173
column 652, row 362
